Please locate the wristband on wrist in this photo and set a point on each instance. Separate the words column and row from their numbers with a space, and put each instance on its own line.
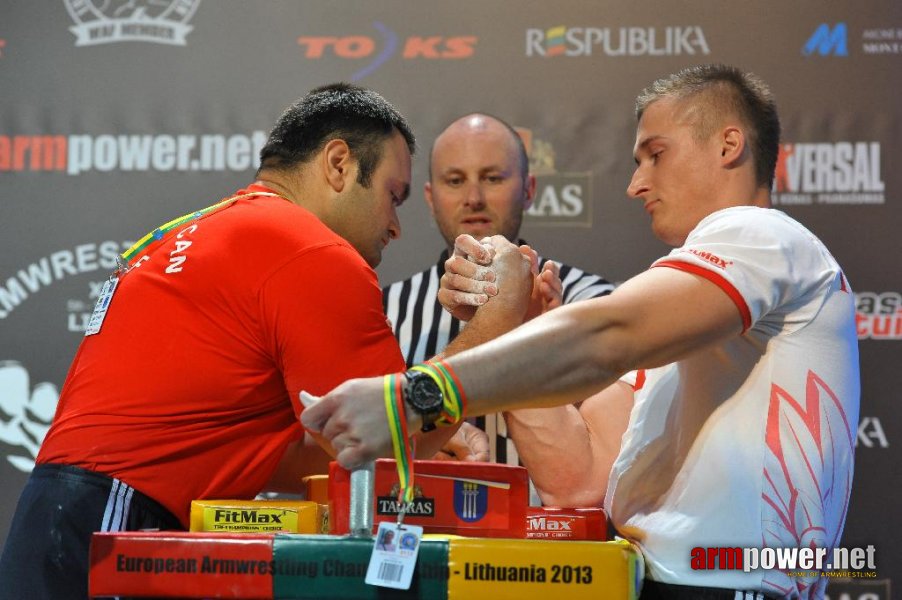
column 401, row 446
column 453, row 399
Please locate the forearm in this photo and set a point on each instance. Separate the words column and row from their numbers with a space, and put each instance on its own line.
column 482, row 328
column 555, row 446
column 569, row 451
column 558, row 358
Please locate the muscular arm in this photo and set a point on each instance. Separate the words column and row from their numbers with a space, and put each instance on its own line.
column 569, row 450
column 561, row 357
column 576, row 350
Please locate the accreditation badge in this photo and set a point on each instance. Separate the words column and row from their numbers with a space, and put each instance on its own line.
column 103, row 304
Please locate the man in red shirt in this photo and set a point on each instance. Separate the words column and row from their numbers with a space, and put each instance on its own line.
column 186, row 384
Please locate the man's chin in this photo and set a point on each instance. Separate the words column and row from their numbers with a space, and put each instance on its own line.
column 478, row 231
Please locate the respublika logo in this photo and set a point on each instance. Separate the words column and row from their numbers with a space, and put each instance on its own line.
column 827, row 41
column 377, row 50
column 76, row 154
column 561, row 198
column 109, row 21
column 829, row 173
column 616, row 41
column 878, row 316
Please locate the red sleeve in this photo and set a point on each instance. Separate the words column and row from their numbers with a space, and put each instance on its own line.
column 324, row 321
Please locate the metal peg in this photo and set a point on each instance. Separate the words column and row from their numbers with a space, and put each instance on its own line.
column 360, row 518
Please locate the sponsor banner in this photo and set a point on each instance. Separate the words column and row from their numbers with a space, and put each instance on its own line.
column 517, row 569
column 106, row 22
column 871, row 434
column 25, row 414
column 878, row 315
column 561, row 198
column 77, row 154
column 374, row 50
column 806, row 562
column 829, row 173
column 561, row 40
column 882, row 40
column 17, row 288
column 833, row 40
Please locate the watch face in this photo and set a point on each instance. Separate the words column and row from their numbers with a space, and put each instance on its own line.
column 424, row 394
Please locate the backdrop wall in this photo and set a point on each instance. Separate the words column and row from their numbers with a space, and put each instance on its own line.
column 116, row 116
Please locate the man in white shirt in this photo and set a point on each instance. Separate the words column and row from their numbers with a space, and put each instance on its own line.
column 735, row 355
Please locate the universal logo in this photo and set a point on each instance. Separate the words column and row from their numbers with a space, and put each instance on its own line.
column 561, row 198
column 109, row 21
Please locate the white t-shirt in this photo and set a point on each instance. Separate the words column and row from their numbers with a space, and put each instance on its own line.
column 749, row 443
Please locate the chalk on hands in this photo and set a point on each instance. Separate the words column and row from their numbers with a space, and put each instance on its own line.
column 308, row 400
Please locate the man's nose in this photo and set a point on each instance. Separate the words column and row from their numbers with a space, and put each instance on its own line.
column 475, row 198
column 638, row 185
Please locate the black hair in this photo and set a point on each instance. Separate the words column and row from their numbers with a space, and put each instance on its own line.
column 360, row 117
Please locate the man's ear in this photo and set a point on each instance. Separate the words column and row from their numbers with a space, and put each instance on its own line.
column 337, row 165
column 427, row 194
column 530, row 191
column 732, row 146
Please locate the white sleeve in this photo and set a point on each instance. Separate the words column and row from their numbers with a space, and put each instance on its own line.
column 761, row 258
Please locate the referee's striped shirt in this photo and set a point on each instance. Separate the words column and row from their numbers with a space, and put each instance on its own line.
column 423, row 328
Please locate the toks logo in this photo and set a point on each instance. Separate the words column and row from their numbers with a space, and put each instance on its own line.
column 622, row 41
column 364, row 47
column 878, row 316
column 160, row 21
column 829, row 173
column 560, row 197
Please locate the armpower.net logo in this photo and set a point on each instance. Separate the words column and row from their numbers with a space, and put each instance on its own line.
column 77, row 154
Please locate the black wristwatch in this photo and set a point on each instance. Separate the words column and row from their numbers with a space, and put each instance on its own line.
column 425, row 397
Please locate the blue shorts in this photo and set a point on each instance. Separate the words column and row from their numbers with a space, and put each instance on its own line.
column 46, row 552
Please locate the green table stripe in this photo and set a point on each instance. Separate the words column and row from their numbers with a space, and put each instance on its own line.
column 322, row 566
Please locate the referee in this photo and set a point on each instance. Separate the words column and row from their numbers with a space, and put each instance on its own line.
column 479, row 184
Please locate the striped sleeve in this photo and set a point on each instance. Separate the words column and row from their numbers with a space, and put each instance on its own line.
column 422, row 327
column 579, row 285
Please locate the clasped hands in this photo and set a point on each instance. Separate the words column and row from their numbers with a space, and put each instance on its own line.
column 352, row 416
column 474, row 273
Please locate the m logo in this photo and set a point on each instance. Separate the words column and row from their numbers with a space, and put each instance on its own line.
column 826, row 42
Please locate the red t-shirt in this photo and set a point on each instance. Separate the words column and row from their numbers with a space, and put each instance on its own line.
column 190, row 389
